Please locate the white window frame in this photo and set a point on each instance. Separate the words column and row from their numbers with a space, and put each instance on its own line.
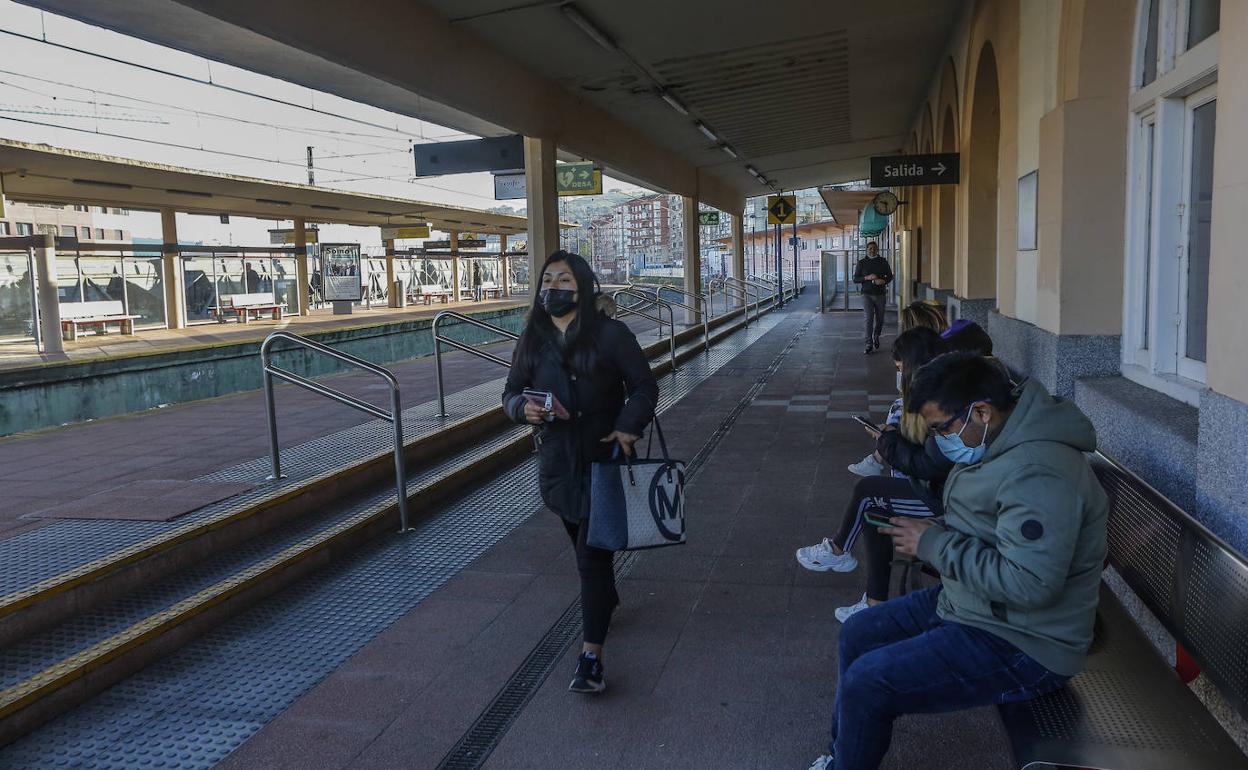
column 1186, row 79
column 1189, row 368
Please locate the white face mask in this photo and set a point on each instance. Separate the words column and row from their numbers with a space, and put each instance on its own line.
column 898, row 380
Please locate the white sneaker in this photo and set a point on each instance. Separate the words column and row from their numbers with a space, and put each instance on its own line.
column 845, row 613
column 821, row 558
column 822, row 763
column 867, row 466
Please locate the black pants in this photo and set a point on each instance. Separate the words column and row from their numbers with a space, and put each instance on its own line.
column 598, row 595
column 892, row 497
column 873, row 309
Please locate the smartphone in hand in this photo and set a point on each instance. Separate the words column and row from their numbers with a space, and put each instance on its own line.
column 875, row 519
column 864, row 422
column 547, row 401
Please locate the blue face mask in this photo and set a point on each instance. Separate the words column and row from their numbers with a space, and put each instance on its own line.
column 953, row 448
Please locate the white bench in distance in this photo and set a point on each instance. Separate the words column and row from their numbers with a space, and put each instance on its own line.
column 98, row 314
column 244, row 305
column 491, row 290
column 427, row 292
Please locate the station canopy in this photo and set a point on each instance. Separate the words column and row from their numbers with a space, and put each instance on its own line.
column 39, row 173
column 846, row 205
column 802, row 91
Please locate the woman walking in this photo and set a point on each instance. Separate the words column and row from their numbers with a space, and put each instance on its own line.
column 602, row 397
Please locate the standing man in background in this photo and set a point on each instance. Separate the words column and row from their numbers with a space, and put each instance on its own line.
column 873, row 275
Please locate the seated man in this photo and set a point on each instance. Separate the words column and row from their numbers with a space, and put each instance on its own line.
column 1019, row 551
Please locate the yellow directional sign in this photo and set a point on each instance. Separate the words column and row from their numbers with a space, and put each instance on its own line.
column 781, row 209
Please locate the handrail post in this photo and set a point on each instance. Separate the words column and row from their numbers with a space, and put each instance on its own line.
column 437, row 362
column 271, row 413
column 400, row 464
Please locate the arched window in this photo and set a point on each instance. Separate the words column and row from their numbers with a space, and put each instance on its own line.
column 1173, row 110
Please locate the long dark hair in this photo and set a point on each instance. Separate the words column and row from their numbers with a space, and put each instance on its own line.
column 580, row 352
column 913, row 349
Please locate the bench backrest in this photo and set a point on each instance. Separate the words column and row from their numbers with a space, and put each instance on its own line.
column 433, row 288
column 74, row 311
column 489, row 285
column 245, row 300
column 1194, row 582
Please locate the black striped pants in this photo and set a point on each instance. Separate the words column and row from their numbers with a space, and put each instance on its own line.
column 891, row 497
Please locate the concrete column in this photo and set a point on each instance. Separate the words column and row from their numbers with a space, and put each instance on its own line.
column 171, row 265
column 303, row 297
column 738, row 249
column 543, row 204
column 388, row 246
column 49, row 301
column 504, row 280
column 455, row 293
column 693, row 251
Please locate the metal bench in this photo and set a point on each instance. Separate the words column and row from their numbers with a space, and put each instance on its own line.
column 98, row 314
column 1130, row 710
column 429, row 292
column 244, row 305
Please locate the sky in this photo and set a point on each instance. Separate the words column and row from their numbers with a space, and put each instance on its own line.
column 72, row 85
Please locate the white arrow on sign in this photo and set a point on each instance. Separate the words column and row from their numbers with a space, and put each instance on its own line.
column 939, row 168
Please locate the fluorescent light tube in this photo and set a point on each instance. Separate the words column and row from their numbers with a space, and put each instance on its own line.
column 675, row 104
column 708, row 133
column 731, row 152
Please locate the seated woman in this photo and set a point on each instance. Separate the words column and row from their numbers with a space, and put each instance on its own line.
column 920, row 470
column 924, row 313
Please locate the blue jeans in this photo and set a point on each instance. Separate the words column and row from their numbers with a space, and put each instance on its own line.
column 900, row 658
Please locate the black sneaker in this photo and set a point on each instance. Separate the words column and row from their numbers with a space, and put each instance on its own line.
column 589, row 677
column 869, row 348
column 877, row 343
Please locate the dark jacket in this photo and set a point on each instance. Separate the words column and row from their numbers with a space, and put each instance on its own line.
column 597, row 402
column 877, row 265
column 924, row 463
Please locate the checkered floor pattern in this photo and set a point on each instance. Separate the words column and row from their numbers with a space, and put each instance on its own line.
column 836, row 403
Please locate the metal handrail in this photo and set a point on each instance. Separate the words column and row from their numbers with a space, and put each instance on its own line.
column 394, row 416
column 439, row 340
column 654, row 302
column 701, row 298
column 746, row 287
column 725, row 289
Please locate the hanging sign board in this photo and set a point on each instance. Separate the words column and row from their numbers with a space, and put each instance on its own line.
column 708, row 217
column 286, row 236
column 781, row 209
column 574, row 178
column 340, row 272
column 911, row 170
column 509, row 187
column 407, row 231
column 512, row 186
column 464, row 157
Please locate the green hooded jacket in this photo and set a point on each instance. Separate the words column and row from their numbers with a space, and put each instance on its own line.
column 1022, row 541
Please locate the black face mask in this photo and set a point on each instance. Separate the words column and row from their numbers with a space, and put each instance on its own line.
column 558, row 302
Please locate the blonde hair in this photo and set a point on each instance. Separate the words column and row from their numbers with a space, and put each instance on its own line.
column 926, row 313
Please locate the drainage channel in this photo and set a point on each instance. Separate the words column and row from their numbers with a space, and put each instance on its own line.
column 485, row 733
column 193, row 707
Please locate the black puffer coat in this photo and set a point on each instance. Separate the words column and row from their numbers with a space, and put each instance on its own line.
column 597, row 402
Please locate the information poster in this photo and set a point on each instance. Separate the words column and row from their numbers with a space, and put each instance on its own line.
column 340, row 272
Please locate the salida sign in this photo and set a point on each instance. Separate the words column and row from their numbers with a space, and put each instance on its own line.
column 910, row 170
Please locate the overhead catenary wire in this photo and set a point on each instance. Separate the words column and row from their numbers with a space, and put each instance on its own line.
column 192, row 79
column 301, row 166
